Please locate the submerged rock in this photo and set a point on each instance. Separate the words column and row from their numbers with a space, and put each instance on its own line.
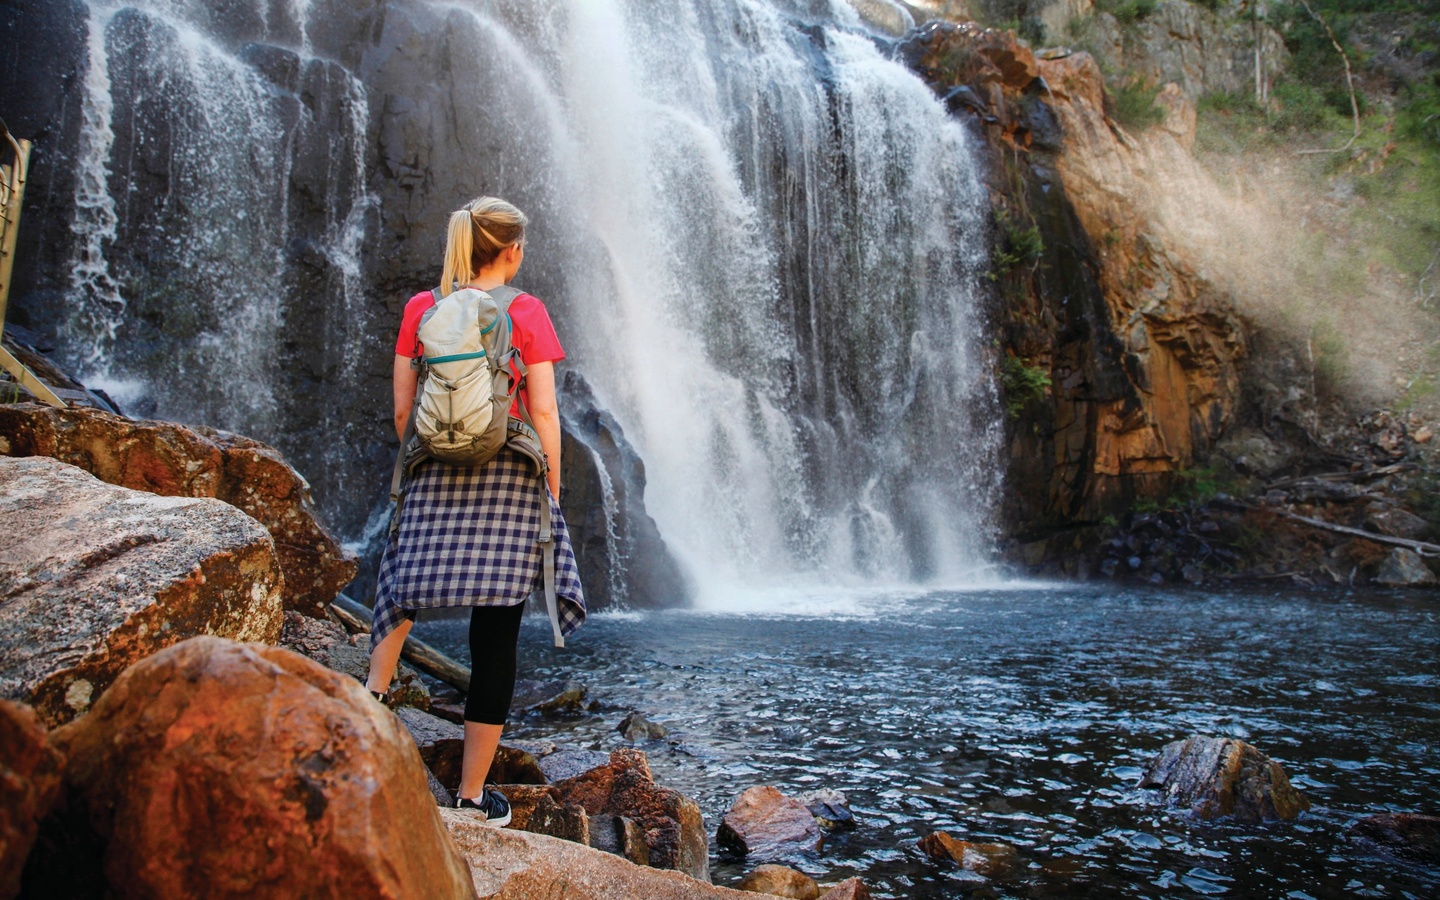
column 830, row 808
column 175, row 461
column 780, row 881
column 765, row 824
column 29, row 784
column 96, row 577
column 1219, row 777
column 636, row 727
column 219, row 769
column 989, row 860
column 1409, row 836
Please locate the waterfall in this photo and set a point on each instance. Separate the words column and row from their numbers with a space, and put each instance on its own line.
column 761, row 239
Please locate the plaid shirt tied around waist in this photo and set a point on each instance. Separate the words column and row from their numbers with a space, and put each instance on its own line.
column 468, row 536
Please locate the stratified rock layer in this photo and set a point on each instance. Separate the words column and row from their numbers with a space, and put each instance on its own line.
column 216, row 769
column 29, row 784
column 175, row 461
column 1219, row 777
column 96, row 577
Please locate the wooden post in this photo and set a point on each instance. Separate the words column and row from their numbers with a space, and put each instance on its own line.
column 12, row 179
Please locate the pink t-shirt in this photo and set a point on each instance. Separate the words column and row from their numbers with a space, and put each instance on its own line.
column 532, row 333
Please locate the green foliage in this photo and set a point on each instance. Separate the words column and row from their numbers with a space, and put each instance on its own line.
column 1127, row 11
column 1018, row 244
column 1134, row 105
column 1021, row 384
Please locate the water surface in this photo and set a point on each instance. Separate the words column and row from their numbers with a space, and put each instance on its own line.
column 1026, row 716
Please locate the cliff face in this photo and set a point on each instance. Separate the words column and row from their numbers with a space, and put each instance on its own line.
column 1097, row 287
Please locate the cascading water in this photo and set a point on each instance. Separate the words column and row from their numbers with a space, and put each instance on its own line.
column 759, row 235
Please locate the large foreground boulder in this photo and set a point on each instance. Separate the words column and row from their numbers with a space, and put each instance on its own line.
column 517, row 865
column 175, row 461
column 1219, row 777
column 96, row 577
column 217, row 769
column 673, row 826
column 29, row 784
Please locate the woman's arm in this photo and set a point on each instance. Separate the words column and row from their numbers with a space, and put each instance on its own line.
column 545, row 412
column 405, row 378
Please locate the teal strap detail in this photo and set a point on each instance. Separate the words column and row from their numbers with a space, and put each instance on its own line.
column 436, row 360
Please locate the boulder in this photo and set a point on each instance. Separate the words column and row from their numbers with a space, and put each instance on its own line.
column 674, row 828
column 441, row 744
column 780, row 881
column 1409, row 836
column 220, row 769
column 561, row 765
column 830, row 808
column 515, row 865
column 765, row 824
column 636, row 727
column 175, row 461
column 989, row 860
column 1223, row 777
column 29, row 784
column 96, row 577
column 1404, row 568
column 849, row 889
column 1397, row 523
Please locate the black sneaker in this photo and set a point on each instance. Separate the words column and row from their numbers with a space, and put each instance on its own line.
column 494, row 809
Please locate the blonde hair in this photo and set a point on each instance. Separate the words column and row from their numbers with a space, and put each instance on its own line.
column 476, row 235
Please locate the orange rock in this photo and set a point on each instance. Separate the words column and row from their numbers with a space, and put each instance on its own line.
column 990, row 860
column 175, row 461
column 765, row 823
column 219, row 769
column 29, row 784
column 673, row 825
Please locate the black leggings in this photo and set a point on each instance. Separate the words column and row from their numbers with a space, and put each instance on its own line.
column 494, row 631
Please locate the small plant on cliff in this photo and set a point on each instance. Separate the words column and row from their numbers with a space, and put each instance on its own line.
column 1021, row 383
column 1017, row 245
column 1132, row 104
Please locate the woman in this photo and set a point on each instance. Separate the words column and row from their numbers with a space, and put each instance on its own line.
column 467, row 536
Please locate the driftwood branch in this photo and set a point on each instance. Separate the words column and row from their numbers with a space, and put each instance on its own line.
column 1349, row 83
column 1420, row 547
column 1334, row 477
column 421, row 655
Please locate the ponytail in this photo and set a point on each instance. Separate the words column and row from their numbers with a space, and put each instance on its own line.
column 475, row 237
column 459, row 249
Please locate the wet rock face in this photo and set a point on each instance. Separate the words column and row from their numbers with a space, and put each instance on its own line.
column 1410, row 836
column 225, row 770
column 29, row 784
column 1223, row 777
column 1141, row 350
column 175, row 461
column 97, row 577
column 765, row 824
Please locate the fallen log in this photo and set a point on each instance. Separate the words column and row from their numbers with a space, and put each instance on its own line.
column 419, row 654
column 1420, row 547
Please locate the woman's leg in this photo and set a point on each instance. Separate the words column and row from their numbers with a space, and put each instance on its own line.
column 494, row 631
column 386, row 656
